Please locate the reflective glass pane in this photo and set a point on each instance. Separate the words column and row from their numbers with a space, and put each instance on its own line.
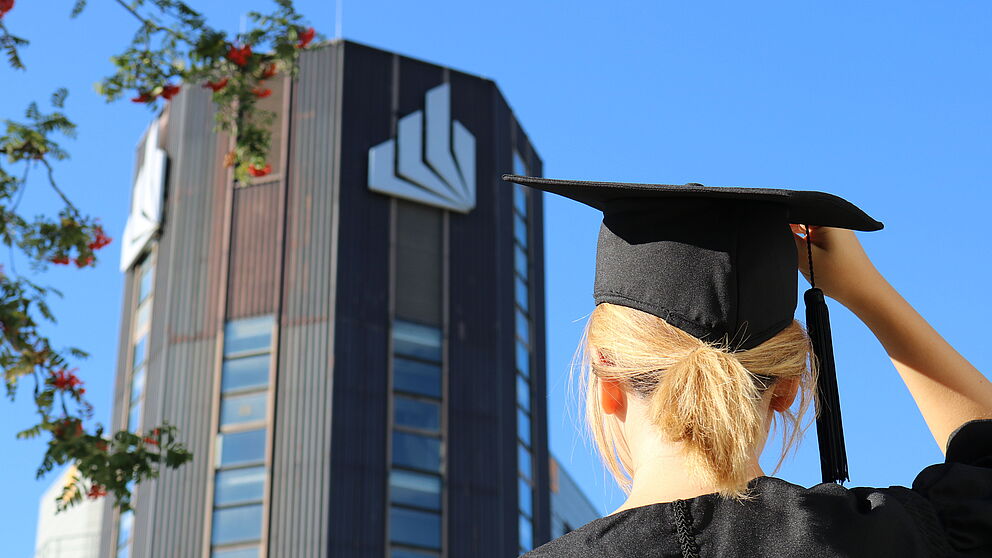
column 520, row 260
column 416, row 413
column 239, row 485
column 526, row 533
column 134, row 417
column 519, row 167
column 144, row 312
column 526, row 497
column 416, row 377
column 415, row 527
column 415, row 489
column 140, row 352
column 520, row 230
column 124, row 526
column 416, row 340
column 523, row 392
column 236, row 553
column 524, row 461
column 406, row 553
column 246, row 372
column 147, row 273
column 523, row 359
column 240, row 524
column 241, row 447
column 520, row 199
column 523, row 326
column 248, row 334
column 523, row 426
column 236, row 409
column 138, row 384
column 416, row 451
column 520, row 291
column 124, row 551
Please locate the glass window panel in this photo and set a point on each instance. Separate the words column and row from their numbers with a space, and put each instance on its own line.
column 416, row 413
column 144, row 312
column 520, row 289
column 236, row 553
column 520, row 260
column 416, row 340
column 524, row 461
column 520, row 199
column 416, row 377
column 523, row 392
column 137, row 384
column 140, row 352
column 523, row 426
column 124, row 527
column 413, row 527
column 526, row 533
column 520, row 230
column 248, row 334
column 124, row 551
column 519, row 166
column 245, row 372
column 239, row 485
column 523, row 359
column 416, row 451
column 406, row 553
column 240, row 524
column 147, row 273
column 523, row 326
column 415, row 489
column 526, row 497
column 134, row 417
column 241, row 447
column 237, row 409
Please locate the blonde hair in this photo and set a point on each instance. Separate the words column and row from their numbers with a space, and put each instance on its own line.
column 701, row 394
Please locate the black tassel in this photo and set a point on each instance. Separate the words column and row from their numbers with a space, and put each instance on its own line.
column 829, row 428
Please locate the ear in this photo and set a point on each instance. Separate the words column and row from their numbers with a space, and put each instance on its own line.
column 612, row 397
column 784, row 394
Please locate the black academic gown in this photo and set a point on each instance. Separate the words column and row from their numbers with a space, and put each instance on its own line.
column 947, row 512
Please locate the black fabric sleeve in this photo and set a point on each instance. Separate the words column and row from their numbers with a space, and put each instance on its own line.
column 960, row 489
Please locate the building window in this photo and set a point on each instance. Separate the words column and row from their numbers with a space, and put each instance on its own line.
column 417, row 439
column 241, row 445
column 143, row 274
column 523, row 355
column 416, row 475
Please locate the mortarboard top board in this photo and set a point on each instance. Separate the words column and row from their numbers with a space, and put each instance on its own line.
column 719, row 263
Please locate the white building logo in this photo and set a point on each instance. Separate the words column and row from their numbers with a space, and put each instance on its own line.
column 432, row 159
column 146, row 199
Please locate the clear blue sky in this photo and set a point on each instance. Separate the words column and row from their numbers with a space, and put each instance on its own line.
column 884, row 103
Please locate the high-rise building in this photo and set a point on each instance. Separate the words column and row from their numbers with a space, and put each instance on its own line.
column 570, row 508
column 351, row 346
column 72, row 533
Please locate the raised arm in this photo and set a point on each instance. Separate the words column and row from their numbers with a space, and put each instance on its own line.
column 948, row 390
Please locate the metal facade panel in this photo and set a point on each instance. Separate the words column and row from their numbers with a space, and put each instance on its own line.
column 361, row 344
column 483, row 474
column 300, row 496
column 185, row 322
column 252, row 279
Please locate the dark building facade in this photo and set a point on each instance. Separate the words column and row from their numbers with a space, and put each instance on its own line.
column 352, row 346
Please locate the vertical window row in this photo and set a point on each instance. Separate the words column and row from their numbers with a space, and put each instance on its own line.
column 144, row 273
column 416, row 475
column 523, row 321
column 240, row 476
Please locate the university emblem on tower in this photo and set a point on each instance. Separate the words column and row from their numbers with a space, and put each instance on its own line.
column 431, row 160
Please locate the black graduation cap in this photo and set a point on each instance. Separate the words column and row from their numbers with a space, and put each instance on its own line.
column 720, row 264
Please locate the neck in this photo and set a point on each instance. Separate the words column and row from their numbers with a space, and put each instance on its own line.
column 661, row 474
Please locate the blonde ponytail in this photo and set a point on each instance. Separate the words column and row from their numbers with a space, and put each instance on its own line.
column 700, row 395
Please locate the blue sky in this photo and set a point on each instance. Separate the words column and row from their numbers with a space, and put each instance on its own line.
column 884, row 103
